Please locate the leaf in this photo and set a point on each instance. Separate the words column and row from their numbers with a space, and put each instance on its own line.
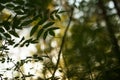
column 16, row 23
column 52, row 17
column 45, row 35
column 26, row 22
column 53, row 28
column 7, row 35
column 54, row 11
column 14, row 33
column 0, row 37
column 6, row 25
column 48, row 24
column 58, row 17
column 22, row 39
column 40, row 33
column 34, row 41
column 19, row 11
column 16, row 45
column 2, row 30
column 52, row 33
column 42, row 21
column 62, row 11
column 34, row 29
column 10, row 5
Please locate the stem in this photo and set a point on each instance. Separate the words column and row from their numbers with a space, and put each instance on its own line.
column 62, row 44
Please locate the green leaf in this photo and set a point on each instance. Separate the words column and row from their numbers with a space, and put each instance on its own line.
column 55, row 11
column 34, row 41
column 14, row 33
column 48, row 24
column 16, row 45
column 34, row 29
column 6, row 25
column 53, row 28
column 2, row 30
column 45, row 35
column 52, row 17
column 0, row 37
column 62, row 11
column 7, row 35
column 26, row 22
column 42, row 21
column 10, row 5
column 40, row 33
column 20, row 12
column 52, row 33
column 22, row 39
column 58, row 17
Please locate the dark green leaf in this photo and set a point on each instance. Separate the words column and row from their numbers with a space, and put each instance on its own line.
column 22, row 39
column 42, row 21
column 0, row 37
column 25, row 23
column 34, row 41
column 7, row 35
column 53, row 28
column 48, row 24
column 45, row 35
column 2, row 30
column 58, row 17
column 34, row 30
column 40, row 33
column 10, row 5
column 14, row 33
column 11, row 42
column 52, row 33
column 61, row 11
column 16, row 45
column 52, row 17
column 6, row 25
column 55, row 11
column 20, row 12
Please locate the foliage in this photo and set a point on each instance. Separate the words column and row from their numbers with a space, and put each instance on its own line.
column 22, row 13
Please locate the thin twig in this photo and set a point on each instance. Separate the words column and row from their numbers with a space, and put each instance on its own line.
column 63, row 41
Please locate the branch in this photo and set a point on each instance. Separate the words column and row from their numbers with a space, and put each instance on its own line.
column 63, row 41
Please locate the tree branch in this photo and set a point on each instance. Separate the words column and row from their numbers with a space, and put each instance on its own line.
column 63, row 41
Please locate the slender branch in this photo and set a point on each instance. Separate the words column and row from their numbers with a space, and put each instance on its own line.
column 63, row 41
